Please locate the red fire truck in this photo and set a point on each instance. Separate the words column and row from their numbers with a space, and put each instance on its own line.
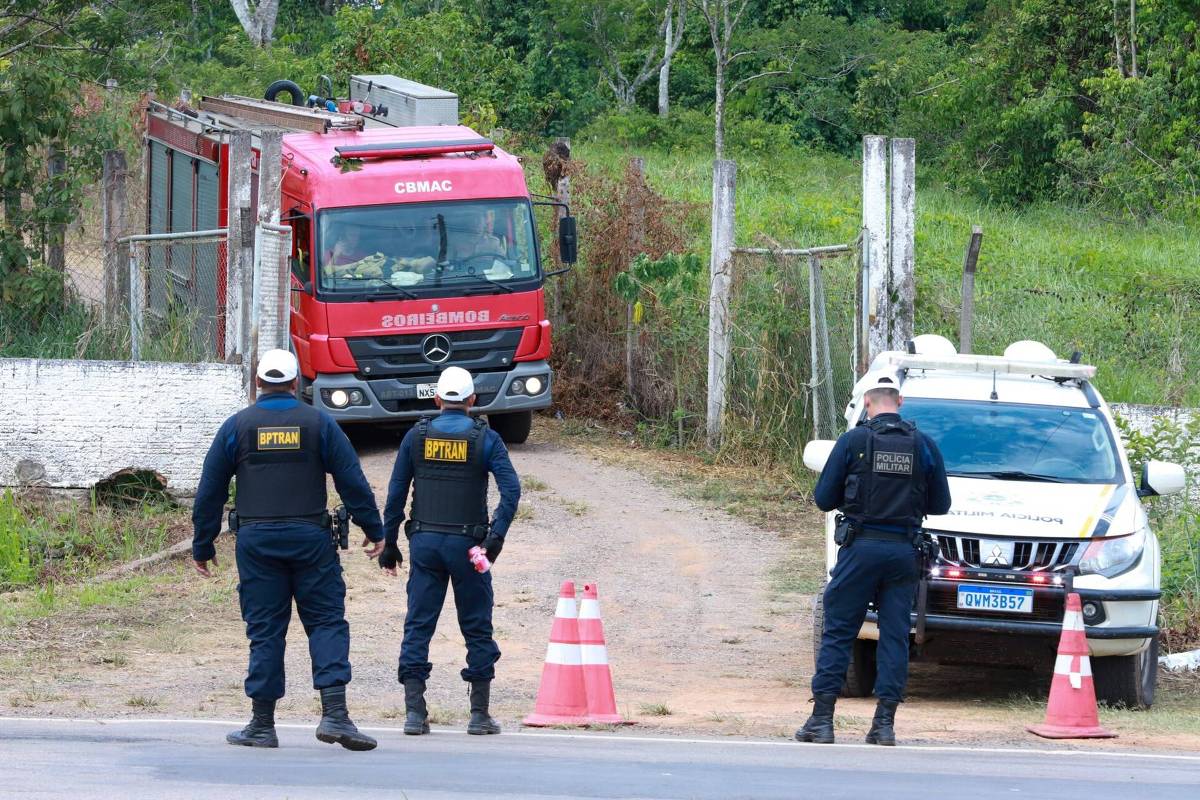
column 414, row 248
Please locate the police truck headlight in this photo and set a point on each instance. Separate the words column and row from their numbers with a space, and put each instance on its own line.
column 339, row 398
column 533, row 386
column 1113, row 555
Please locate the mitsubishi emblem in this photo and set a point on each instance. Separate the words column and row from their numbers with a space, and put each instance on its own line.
column 435, row 348
column 996, row 558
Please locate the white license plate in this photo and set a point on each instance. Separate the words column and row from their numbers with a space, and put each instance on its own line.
column 995, row 598
column 426, row 391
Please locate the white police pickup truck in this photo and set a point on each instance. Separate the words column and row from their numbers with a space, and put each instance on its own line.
column 1043, row 496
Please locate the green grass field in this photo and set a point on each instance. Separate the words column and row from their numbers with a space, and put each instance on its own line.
column 1124, row 292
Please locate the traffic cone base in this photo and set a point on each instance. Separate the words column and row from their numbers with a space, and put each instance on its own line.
column 1071, row 712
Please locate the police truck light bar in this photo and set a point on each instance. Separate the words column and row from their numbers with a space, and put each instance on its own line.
column 992, row 364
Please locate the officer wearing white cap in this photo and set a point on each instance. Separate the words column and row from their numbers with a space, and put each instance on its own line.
column 280, row 451
column 447, row 460
column 884, row 476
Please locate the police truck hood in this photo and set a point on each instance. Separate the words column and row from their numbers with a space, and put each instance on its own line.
column 1039, row 510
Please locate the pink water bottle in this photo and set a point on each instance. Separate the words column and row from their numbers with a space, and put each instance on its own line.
column 479, row 558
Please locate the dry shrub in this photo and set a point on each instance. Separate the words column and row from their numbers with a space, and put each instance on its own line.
column 620, row 219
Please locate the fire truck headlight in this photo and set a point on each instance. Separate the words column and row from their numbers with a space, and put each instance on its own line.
column 533, row 386
column 338, row 398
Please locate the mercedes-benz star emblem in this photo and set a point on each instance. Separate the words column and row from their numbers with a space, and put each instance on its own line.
column 435, row 348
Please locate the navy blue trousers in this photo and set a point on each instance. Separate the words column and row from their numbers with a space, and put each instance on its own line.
column 278, row 562
column 886, row 572
column 435, row 560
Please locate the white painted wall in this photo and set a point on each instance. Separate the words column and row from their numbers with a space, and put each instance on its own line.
column 68, row 424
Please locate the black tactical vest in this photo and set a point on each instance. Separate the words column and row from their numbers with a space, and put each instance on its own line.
column 450, row 478
column 886, row 482
column 280, row 472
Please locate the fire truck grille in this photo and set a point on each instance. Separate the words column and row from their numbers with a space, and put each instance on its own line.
column 397, row 406
column 411, row 355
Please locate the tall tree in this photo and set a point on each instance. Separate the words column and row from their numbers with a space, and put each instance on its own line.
column 613, row 28
column 257, row 18
column 672, row 37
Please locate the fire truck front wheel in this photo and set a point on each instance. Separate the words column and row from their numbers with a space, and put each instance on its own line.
column 513, row 428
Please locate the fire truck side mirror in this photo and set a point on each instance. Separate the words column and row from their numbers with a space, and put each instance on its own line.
column 568, row 242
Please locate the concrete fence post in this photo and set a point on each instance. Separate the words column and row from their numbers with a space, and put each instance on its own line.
column 902, row 285
column 239, row 240
column 876, row 306
column 967, row 319
column 116, row 258
column 721, row 279
column 637, row 225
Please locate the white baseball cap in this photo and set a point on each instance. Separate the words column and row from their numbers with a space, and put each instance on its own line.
column 277, row 366
column 880, row 379
column 455, row 385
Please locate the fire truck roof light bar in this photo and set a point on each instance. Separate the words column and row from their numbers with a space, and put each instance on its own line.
column 987, row 365
column 414, row 149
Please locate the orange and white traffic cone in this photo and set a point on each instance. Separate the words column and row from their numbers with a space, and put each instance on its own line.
column 597, row 676
column 1071, row 712
column 562, row 698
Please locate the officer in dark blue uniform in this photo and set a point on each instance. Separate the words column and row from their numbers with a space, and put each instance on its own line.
column 280, row 450
column 884, row 476
column 447, row 461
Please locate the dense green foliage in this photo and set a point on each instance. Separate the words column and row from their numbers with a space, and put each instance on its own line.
column 1017, row 100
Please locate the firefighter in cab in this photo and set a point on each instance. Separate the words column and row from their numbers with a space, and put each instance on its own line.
column 884, row 476
column 280, row 451
column 446, row 461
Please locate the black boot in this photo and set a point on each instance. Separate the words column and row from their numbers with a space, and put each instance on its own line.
column 336, row 726
column 882, row 727
column 416, row 720
column 261, row 730
column 819, row 727
column 481, row 723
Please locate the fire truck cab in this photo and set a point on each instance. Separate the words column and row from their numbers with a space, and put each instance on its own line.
column 413, row 249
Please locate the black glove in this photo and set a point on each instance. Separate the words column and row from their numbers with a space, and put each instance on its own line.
column 391, row 557
column 492, row 545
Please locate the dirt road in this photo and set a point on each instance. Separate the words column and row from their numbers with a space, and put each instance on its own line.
column 708, row 619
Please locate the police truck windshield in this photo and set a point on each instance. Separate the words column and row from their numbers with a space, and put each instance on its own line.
column 1008, row 441
column 419, row 249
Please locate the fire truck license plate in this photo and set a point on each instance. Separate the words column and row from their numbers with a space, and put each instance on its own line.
column 995, row 598
column 426, row 391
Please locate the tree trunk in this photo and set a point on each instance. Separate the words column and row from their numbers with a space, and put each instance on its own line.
column 1133, row 70
column 1117, row 41
column 258, row 22
column 719, row 109
column 664, row 72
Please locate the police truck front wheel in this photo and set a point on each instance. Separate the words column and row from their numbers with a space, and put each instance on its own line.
column 513, row 428
column 1127, row 681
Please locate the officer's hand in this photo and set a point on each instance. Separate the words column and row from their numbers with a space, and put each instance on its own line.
column 492, row 545
column 390, row 558
column 202, row 566
column 373, row 548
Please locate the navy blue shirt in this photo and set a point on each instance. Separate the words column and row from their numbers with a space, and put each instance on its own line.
column 221, row 463
column 829, row 492
column 495, row 455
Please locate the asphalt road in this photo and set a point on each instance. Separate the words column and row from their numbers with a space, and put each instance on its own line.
column 183, row 759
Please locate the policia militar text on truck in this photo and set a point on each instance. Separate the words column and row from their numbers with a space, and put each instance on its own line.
column 1043, row 499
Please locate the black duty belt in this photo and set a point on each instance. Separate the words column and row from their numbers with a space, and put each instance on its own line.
column 882, row 536
column 472, row 531
column 320, row 520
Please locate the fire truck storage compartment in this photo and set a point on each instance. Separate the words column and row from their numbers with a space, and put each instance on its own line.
column 183, row 195
column 407, row 102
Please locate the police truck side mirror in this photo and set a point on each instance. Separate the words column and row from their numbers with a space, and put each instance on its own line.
column 816, row 453
column 1161, row 478
column 568, row 242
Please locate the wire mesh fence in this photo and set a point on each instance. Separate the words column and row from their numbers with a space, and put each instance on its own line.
column 176, row 308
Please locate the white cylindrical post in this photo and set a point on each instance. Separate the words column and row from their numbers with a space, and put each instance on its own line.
column 721, row 279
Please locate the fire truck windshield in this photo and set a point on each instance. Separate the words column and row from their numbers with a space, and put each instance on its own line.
column 427, row 248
